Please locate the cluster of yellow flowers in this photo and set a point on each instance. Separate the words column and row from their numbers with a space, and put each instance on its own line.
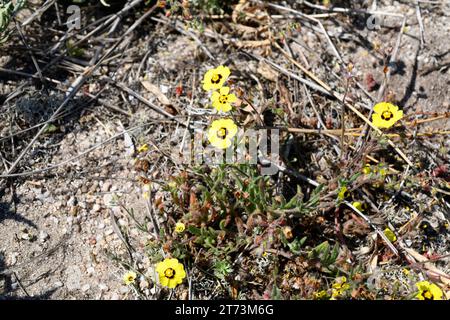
column 170, row 273
column 339, row 287
column 222, row 131
column 426, row 290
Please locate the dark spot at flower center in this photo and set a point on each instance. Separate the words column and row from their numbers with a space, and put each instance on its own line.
column 216, row 78
column 427, row 295
column 223, row 99
column 222, row 133
column 346, row 194
column 169, row 273
column 386, row 115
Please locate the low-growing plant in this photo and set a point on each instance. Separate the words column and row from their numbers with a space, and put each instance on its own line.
column 8, row 9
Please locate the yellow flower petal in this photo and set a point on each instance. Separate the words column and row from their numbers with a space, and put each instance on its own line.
column 390, row 235
column 392, row 107
column 216, row 125
column 231, row 127
column 172, row 283
column 163, row 280
column 143, row 148
column 232, row 98
column 343, row 193
column 366, row 169
column 436, row 292
column 358, row 205
column 215, row 95
column 160, row 267
column 172, row 263
column 376, row 120
column 224, row 71
column 380, row 107
column 180, row 271
column 224, row 91
column 398, row 115
column 207, row 80
column 220, row 143
column 222, row 107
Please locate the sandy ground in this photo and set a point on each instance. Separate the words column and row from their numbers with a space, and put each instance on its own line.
column 55, row 232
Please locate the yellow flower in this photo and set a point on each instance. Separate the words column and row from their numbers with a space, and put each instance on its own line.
column 221, row 133
column 339, row 287
column 340, row 282
column 171, row 273
column 382, row 172
column 390, row 235
column 385, row 115
column 321, row 295
column 142, row 148
column 343, row 193
column 179, row 227
column 172, row 184
column 428, row 291
column 358, row 205
column 129, row 277
column 366, row 169
column 215, row 78
column 146, row 191
column 222, row 99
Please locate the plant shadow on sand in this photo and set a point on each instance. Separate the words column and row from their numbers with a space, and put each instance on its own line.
column 7, row 213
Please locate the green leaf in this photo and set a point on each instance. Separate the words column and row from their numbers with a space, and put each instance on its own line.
column 295, row 245
column 50, row 128
column 194, row 230
column 334, row 253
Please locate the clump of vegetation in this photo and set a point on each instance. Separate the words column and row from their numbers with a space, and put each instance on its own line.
column 8, row 9
column 357, row 204
column 231, row 223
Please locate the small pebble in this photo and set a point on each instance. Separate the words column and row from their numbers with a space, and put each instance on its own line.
column 90, row 270
column 43, row 236
column 106, row 186
column 124, row 290
column 103, row 287
column 71, row 202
